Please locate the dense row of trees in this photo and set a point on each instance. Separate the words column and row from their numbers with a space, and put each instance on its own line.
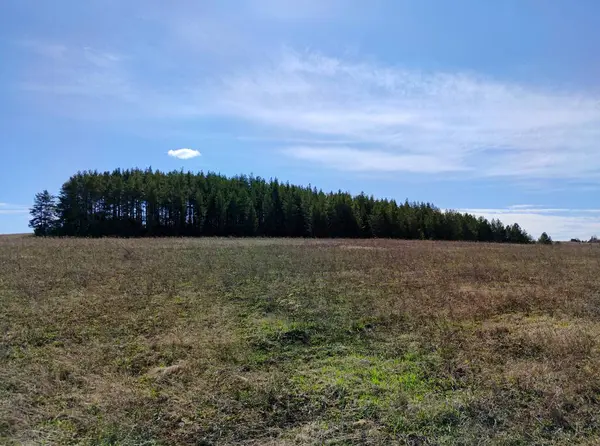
column 152, row 203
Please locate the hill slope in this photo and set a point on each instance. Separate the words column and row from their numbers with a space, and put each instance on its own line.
column 256, row 341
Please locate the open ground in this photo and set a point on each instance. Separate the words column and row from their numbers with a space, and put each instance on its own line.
column 294, row 342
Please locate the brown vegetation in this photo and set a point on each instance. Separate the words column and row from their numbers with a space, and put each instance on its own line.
column 258, row 341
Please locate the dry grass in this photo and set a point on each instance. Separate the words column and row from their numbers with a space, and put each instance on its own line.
column 293, row 342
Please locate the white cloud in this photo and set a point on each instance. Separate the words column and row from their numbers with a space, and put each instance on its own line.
column 458, row 121
column 349, row 159
column 99, row 58
column 10, row 209
column 386, row 118
column 183, row 154
column 560, row 224
column 13, row 211
column 525, row 206
column 81, row 75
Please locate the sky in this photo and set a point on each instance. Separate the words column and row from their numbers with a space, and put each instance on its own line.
column 492, row 108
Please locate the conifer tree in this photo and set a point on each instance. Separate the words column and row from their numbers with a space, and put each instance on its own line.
column 43, row 213
column 135, row 203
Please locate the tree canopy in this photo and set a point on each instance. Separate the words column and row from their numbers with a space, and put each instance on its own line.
column 134, row 203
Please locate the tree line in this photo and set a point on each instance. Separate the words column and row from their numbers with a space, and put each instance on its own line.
column 136, row 203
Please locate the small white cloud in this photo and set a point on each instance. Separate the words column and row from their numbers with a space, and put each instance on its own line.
column 184, row 154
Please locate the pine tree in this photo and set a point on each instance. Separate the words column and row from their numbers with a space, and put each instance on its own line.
column 43, row 213
column 152, row 203
column 379, row 221
column 319, row 223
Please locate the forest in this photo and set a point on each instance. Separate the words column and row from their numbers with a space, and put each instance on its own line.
column 138, row 203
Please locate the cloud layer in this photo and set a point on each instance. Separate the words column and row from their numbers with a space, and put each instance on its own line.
column 183, row 154
column 561, row 224
column 419, row 122
column 350, row 114
column 355, row 160
column 10, row 209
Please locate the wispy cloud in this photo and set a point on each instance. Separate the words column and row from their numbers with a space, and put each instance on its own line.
column 561, row 224
column 100, row 59
column 361, row 116
column 459, row 120
column 10, row 209
column 525, row 206
column 284, row 10
column 183, row 154
column 537, row 209
column 43, row 48
column 79, row 74
column 349, row 159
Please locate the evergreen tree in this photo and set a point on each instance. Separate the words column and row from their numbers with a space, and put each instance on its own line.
column 43, row 213
column 134, row 203
column 545, row 239
column 379, row 221
column 319, row 223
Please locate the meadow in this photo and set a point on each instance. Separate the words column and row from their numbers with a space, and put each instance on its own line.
column 214, row 341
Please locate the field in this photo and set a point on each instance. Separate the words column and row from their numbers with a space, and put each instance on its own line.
column 294, row 342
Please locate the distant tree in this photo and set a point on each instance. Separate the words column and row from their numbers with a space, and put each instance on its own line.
column 498, row 231
column 545, row 239
column 362, row 210
column 575, row 240
column 43, row 213
column 319, row 222
column 379, row 221
column 136, row 203
column 517, row 235
column 593, row 239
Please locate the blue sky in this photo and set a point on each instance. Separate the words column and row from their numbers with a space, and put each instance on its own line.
column 490, row 107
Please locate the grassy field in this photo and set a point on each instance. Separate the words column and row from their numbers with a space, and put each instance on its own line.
column 294, row 342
